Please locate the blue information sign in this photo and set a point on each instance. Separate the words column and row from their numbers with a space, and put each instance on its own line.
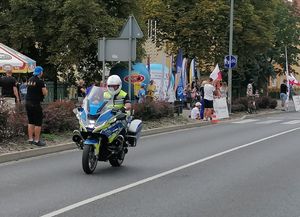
column 230, row 61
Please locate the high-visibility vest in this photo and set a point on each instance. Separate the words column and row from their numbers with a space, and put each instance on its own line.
column 118, row 101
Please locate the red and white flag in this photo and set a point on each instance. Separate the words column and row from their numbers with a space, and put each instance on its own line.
column 216, row 73
column 292, row 80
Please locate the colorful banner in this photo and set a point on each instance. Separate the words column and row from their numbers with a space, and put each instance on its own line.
column 178, row 81
column 192, row 71
column 158, row 76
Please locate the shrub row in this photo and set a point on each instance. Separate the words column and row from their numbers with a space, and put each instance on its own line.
column 264, row 102
column 153, row 110
column 58, row 117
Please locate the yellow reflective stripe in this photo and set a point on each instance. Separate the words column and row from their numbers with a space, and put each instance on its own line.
column 112, row 137
column 97, row 146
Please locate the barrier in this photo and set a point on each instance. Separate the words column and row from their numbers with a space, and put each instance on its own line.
column 214, row 119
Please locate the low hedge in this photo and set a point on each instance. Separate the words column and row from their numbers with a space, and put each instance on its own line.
column 153, row 110
column 58, row 117
column 263, row 102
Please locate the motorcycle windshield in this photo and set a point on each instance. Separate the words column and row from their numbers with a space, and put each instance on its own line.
column 94, row 103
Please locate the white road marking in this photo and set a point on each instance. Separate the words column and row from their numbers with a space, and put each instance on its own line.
column 268, row 122
column 143, row 181
column 292, row 122
column 245, row 121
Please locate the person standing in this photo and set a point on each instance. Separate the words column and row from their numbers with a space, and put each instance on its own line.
column 201, row 91
column 80, row 91
column 224, row 89
column 23, row 89
column 208, row 99
column 251, row 96
column 142, row 94
column 283, row 94
column 9, row 88
column 151, row 90
column 36, row 91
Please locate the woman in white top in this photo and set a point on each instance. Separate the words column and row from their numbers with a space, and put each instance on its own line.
column 208, row 99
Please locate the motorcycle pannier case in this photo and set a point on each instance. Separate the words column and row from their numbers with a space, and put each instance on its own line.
column 134, row 132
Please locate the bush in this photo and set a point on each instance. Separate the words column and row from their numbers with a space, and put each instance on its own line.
column 238, row 107
column 263, row 102
column 12, row 124
column 153, row 110
column 59, row 116
column 273, row 103
column 241, row 101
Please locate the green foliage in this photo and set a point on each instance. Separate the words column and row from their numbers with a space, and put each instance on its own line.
column 153, row 110
column 67, row 32
column 262, row 28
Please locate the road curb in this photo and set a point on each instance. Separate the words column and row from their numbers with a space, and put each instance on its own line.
column 15, row 156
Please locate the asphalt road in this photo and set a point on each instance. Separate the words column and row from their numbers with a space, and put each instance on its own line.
column 235, row 169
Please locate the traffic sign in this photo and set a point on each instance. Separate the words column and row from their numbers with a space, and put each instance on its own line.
column 135, row 32
column 116, row 49
column 230, row 61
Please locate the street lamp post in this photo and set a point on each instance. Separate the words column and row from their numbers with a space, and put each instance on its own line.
column 230, row 54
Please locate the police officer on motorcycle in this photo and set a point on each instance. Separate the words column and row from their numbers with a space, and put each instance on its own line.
column 120, row 98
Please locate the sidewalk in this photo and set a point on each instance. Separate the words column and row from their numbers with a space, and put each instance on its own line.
column 38, row 151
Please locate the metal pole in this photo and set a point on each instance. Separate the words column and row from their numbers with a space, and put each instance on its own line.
column 130, row 53
column 287, row 78
column 230, row 54
column 103, row 62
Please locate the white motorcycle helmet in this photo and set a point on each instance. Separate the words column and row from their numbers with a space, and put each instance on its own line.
column 114, row 84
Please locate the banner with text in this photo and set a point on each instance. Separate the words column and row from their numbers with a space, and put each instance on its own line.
column 296, row 100
column 220, row 107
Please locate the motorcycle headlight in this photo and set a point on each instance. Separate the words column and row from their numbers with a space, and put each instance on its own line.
column 91, row 124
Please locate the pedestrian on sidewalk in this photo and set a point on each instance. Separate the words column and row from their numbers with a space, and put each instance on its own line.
column 36, row 91
column 151, row 89
column 142, row 94
column 9, row 88
column 251, row 96
column 209, row 90
column 81, row 91
column 201, row 93
column 23, row 90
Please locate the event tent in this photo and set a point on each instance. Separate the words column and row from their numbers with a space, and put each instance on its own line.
column 19, row 62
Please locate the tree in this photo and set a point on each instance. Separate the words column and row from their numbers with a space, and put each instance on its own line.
column 201, row 28
column 62, row 35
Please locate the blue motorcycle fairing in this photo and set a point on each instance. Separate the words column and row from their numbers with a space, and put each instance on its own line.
column 104, row 117
column 94, row 108
column 83, row 116
column 91, row 141
column 113, row 128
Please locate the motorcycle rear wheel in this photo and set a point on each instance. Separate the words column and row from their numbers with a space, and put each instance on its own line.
column 89, row 160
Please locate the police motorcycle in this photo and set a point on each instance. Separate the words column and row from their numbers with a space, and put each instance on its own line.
column 105, row 132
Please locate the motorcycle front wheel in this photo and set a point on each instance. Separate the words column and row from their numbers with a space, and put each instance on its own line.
column 89, row 159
